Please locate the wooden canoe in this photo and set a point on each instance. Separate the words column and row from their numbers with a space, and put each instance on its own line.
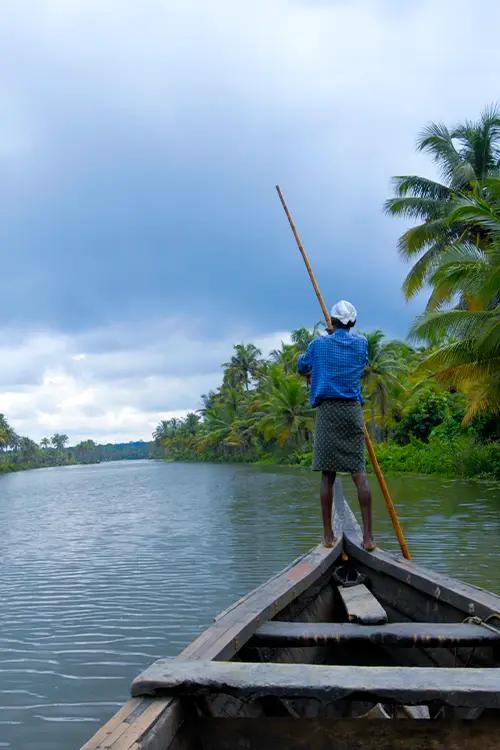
column 310, row 658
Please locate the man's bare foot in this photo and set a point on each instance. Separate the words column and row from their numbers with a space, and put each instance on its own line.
column 368, row 544
column 329, row 540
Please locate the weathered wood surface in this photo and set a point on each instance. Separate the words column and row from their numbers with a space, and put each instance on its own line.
column 132, row 721
column 221, row 641
column 414, row 685
column 145, row 724
column 277, row 633
column 361, row 606
column 469, row 599
column 348, row 734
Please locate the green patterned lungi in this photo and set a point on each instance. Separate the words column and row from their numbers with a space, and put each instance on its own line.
column 339, row 438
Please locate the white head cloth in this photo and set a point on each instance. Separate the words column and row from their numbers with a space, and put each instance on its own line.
column 344, row 311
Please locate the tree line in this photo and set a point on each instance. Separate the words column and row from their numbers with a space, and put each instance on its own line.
column 19, row 452
column 431, row 404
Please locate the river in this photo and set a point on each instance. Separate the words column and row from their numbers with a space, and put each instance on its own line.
column 105, row 568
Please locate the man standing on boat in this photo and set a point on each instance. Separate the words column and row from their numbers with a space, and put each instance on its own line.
column 335, row 364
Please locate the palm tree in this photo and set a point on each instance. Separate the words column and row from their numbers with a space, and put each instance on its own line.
column 469, row 354
column 286, row 357
column 208, row 399
column 471, row 269
column 244, row 363
column 192, row 423
column 59, row 441
column 8, row 437
column 27, row 450
column 166, row 428
column 232, row 397
column 45, row 443
column 287, row 414
column 381, row 377
column 467, row 155
column 471, row 359
column 86, row 452
column 302, row 337
column 223, row 428
column 4, row 432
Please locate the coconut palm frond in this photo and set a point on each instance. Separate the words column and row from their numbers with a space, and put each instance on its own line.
column 484, row 396
column 461, row 324
column 421, row 270
column 478, row 141
column 410, row 207
column 463, row 270
column 460, row 368
column 437, row 140
column 465, row 208
column 481, row 211
column 416, row 239
column 420, row 187
column 488, row 337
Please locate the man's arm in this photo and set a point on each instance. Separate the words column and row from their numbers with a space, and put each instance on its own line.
column 365, row 363
column 366, row 354
column 305, row 361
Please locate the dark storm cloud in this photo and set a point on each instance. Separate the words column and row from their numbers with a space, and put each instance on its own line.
column 141, row 146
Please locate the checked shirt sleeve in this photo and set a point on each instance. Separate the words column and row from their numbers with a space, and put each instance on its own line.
column 305, row 361
column 366, row 354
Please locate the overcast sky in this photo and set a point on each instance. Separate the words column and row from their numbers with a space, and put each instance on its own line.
column 140, row 142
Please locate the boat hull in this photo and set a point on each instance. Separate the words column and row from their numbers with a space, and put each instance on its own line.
column 191, row 714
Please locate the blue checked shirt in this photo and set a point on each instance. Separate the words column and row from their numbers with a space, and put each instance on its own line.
column 335, row 363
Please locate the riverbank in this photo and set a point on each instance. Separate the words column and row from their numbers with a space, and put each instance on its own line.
column 9, row 468
column 261, row 413
column 459, row 457
column 24, row 454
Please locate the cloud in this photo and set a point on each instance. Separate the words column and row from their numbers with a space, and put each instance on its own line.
column 139, row 148
column 61, row 383
column 145, row 141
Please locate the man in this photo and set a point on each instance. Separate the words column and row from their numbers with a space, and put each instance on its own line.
column 335, row 364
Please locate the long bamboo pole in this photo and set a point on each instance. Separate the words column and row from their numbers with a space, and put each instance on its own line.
column 371, row 452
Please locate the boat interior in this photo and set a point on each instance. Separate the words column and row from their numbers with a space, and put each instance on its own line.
column 343, row 649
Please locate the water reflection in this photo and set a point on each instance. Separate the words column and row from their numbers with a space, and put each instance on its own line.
column 107, row 567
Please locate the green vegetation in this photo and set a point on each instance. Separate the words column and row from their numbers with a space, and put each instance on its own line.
column 432, row 406
column 264, row 415
column 18, row 453
column 457, row 252
column 432, row 409
column 467, row 155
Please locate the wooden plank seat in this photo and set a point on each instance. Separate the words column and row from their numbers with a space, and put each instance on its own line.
column 361, row 606
column 423, row 634
column 403, row 685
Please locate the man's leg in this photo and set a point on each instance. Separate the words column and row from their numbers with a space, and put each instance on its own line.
column 326, row 495
column 365, row 503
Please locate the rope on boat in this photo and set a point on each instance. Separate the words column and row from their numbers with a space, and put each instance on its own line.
column 347, row 577
column 485, row 622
